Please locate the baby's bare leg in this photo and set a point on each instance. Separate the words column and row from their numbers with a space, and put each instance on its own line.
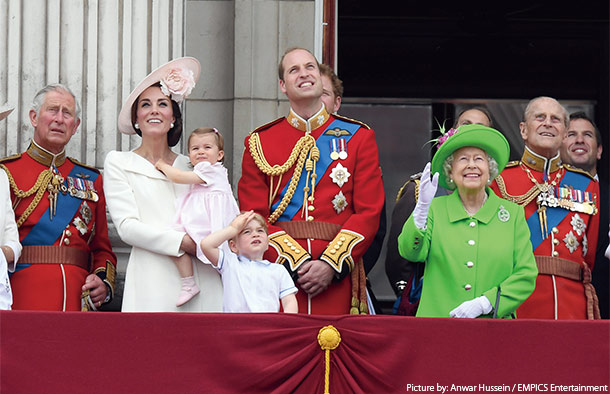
column 184, row 265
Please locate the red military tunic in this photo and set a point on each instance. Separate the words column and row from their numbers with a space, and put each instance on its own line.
column 564, row 241
column 63, row 241
column 343, row 213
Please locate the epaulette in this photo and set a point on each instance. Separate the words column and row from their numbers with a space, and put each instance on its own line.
column 352, row 121
column 512, row 163
column 73, row 160
column 413, row 178
column 268, row 125
column 10, row 158
column 570, row 167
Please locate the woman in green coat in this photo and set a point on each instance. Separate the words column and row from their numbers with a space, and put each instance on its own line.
column 476, row 246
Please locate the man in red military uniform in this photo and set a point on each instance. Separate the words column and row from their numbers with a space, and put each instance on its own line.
column 316, row 177
column 67, row 262
column 561, row 208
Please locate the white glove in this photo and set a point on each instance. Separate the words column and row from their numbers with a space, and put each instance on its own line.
column 473, row 308
column 427, row 191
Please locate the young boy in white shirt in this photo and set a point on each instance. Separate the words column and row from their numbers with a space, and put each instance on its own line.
column 251, row 284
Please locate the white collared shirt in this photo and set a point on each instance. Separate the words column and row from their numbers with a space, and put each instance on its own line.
column 252, row 285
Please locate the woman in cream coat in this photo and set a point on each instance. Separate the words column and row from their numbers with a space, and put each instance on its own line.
column 9, row 237
column 141, row 199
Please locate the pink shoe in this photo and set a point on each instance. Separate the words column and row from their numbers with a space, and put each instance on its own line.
column 188, row 290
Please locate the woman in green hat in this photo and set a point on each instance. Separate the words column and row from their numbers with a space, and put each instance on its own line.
column 476, row 246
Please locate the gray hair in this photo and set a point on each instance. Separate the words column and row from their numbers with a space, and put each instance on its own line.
column 564, row 111
column 54, row 87
column 493, row 169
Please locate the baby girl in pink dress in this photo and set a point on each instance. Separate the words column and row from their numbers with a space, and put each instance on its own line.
column 207, row 207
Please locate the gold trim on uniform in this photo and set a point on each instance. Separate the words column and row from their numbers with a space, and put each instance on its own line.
column 308, row 125
column 339, row 250
column 44, row 157
column 539, row 163
column 289, row 249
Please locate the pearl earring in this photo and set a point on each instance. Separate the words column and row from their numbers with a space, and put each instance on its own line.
column 450, row 181
column 171, row 125
column 137, row 126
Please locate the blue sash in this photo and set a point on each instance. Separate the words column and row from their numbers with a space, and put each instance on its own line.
column 323, row 144
column 47, row 231
column 555, row 215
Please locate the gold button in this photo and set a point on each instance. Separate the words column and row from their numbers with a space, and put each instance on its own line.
column 310, row 218
column 67, row 241
column 311, row 207
column 68, row 233
column 555, row 253
column 556, row 241
column 286, row 241
column 342, row 239
column 555, row 230
column 339, row 243
column 336, row 247
column 333, row 251
column 293, row 248
column 298, row 251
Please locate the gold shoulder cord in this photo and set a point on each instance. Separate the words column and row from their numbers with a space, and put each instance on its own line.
column 523, row 199
column 299, row 154
column 39, row 188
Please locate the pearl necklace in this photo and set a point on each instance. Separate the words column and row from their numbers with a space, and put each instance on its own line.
column 471, row 214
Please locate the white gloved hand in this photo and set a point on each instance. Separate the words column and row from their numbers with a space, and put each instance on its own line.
column 427, row 191
column 473, row 308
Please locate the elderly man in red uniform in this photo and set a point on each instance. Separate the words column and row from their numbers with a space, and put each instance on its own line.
column 316, row 177
column 561, row 208
column 67, row 263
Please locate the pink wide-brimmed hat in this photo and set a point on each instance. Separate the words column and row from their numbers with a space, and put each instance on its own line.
column 177, row 78
column 5, row 110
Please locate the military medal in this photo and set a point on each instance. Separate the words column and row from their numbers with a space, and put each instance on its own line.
column 334, row 154
column 85, row 212
column 578, row 224
column 503, row 214
column 577, row 200
column 342, row 149
column 53, row 188
column 571, row 242
column 339, row 202
column 80, row 225
column 339, row 175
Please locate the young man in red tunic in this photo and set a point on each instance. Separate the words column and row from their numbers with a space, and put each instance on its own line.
column 316, row 178
column 561, row 208
column 67, row 261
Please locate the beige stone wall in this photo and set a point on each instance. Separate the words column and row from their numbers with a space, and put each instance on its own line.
column 239, row 44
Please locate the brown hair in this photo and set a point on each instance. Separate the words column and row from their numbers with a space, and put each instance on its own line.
column 334, row 79
column 174, row 134
column 220, row 141
column 280, row 68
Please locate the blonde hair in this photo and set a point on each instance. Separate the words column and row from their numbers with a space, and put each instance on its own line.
column 261, row 220
column 220, row 141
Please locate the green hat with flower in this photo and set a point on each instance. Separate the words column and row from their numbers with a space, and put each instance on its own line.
column 476, row 135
